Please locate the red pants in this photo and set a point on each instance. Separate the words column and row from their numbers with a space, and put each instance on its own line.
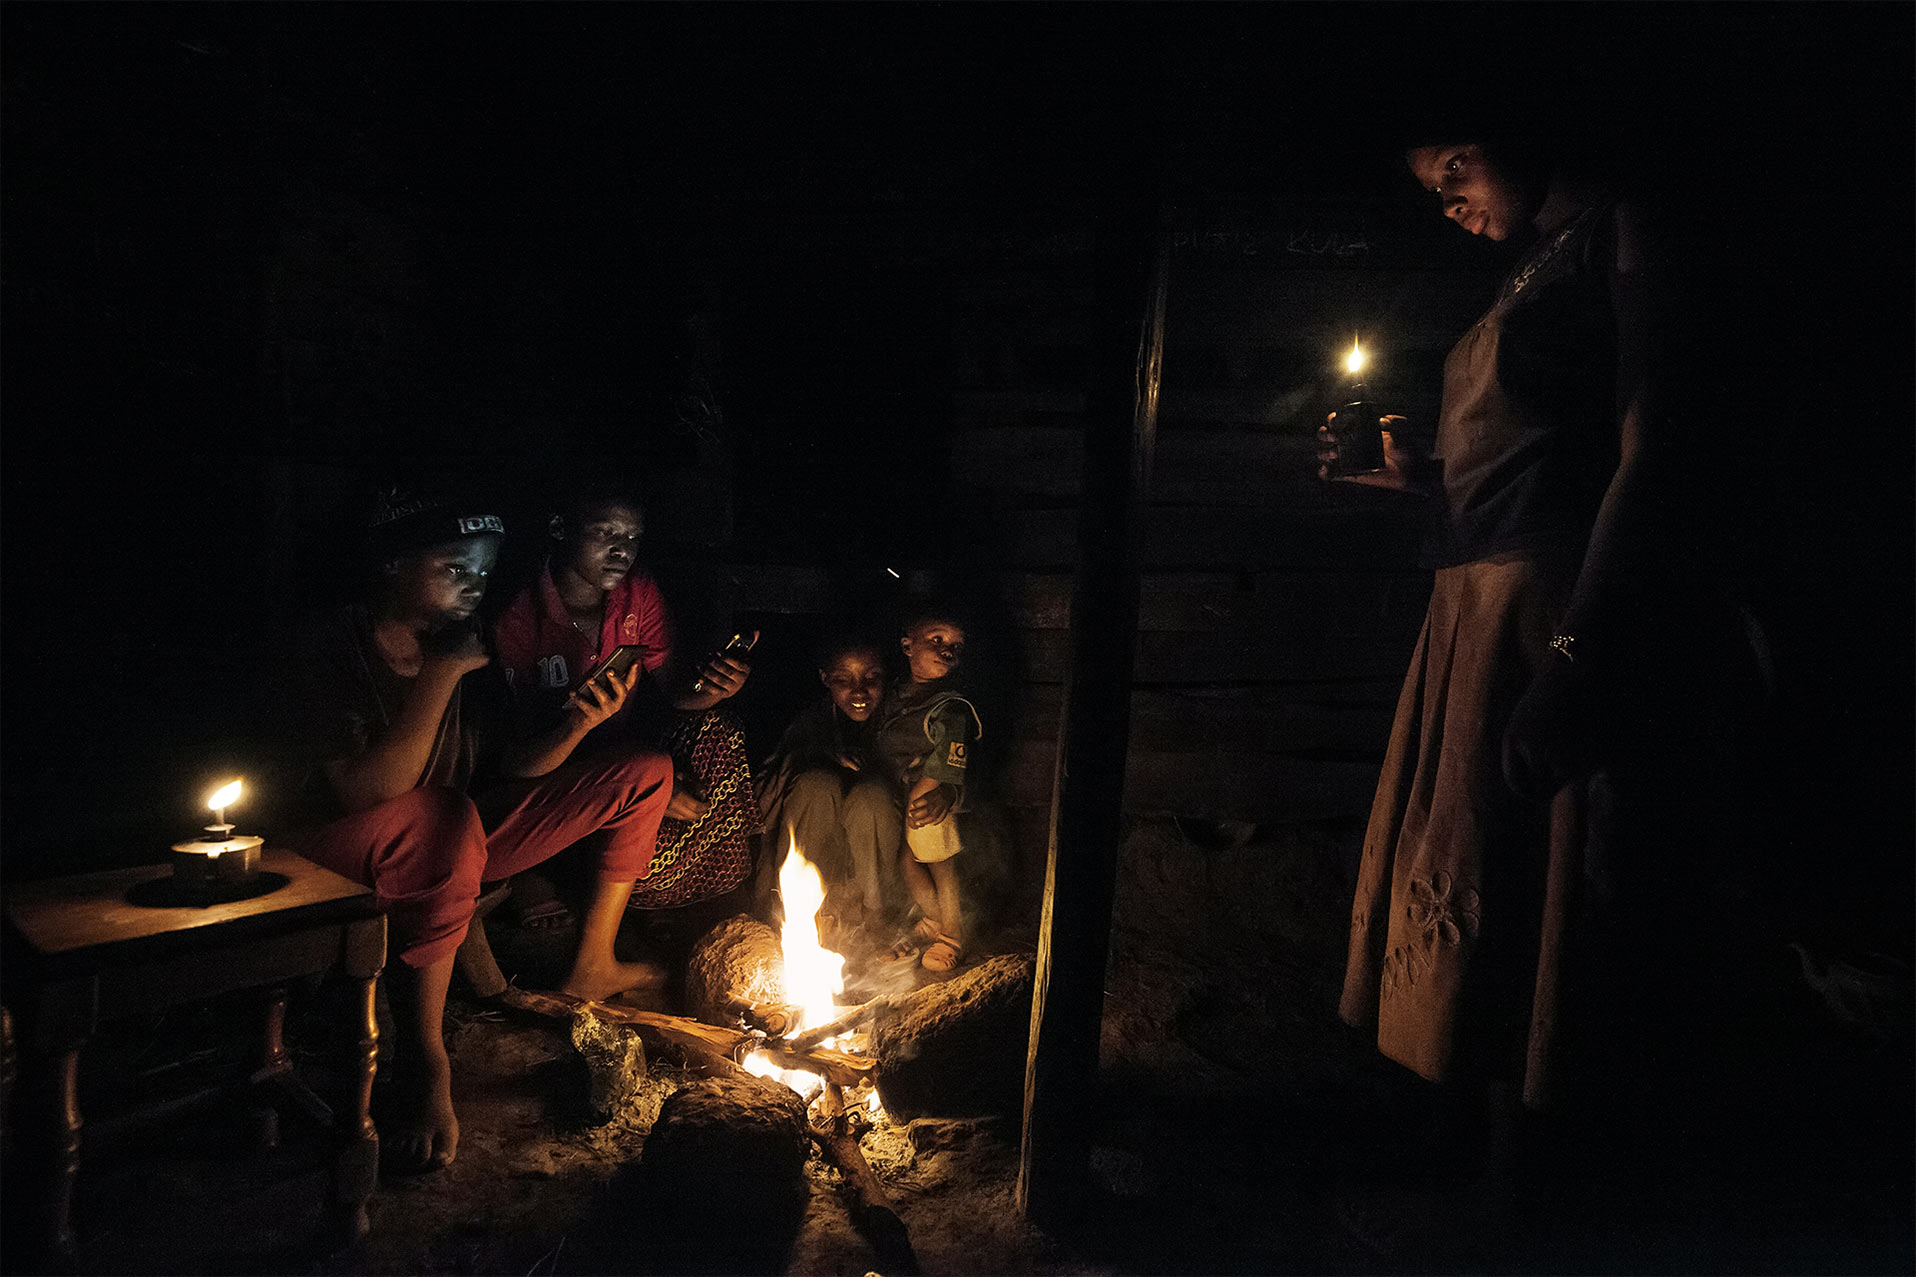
column 425, row 852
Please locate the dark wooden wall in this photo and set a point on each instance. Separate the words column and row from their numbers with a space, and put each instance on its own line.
column 1278, row 612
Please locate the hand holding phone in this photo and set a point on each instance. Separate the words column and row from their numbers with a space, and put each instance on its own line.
column 736, row 649
column 618, row 662
column 602, row 695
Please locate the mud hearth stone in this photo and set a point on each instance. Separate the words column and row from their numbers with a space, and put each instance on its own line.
column 614, row 1059
column 936, row 1135
column 738, row 961
column 723, row 1174
column 957, row 1049
column 726, row 1128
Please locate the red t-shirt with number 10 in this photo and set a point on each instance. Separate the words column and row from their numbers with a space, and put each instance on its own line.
column 545, row 655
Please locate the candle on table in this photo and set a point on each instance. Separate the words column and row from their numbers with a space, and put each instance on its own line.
column 218, row 861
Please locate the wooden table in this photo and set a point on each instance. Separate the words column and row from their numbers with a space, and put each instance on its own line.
column 86, row 949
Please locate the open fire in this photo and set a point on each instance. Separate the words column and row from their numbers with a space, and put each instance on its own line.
column 814, row 975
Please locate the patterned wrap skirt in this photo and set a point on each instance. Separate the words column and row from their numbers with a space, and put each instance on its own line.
column 1456, row 924
column 700, row 859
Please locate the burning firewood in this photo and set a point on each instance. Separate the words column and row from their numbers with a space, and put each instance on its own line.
column 852, row 1019
column 683, row 1036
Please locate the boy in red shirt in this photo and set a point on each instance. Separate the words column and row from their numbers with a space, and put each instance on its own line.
column 590, row 598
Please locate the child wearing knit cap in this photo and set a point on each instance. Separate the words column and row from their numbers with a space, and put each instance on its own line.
column 416, row 787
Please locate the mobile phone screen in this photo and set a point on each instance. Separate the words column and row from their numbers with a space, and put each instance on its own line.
column 618, row 663
column 738, row 645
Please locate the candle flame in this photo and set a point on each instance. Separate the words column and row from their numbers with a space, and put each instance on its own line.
column 224, row 797
column 1354, row 362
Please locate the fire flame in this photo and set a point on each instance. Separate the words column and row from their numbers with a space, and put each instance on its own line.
column 1354, row 362
column 814, row 975
column 224, row 797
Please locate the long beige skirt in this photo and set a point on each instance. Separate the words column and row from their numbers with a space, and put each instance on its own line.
column 1460, row 892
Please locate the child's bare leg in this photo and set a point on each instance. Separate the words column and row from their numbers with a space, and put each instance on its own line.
column 951, row 911
column 427, row 1134
column 919, row 883
column 596, row 973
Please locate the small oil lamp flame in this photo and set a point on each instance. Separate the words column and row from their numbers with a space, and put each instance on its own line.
column 222, row 798
column 1354, row 362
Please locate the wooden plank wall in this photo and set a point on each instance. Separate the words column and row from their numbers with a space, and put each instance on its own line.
column 1278, row 613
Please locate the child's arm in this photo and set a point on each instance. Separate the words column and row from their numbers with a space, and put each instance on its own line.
column 942, row 784
column 930, row 802
column 393, row 763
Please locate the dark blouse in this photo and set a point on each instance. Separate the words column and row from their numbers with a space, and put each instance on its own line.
column 819, row 737
column 1528, row 433
column 345, row 696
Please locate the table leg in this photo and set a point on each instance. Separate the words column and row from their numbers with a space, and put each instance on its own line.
column 356, row 1169
column 9, row 1070
column 275, row 1066
column 66, row 1152
column 67, row 1015
column 273, row 1057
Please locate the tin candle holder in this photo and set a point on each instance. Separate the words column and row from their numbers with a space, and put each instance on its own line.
column 218, row 864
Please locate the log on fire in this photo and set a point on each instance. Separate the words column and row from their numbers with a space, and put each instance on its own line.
column 695, row 1042
column 957, row 1048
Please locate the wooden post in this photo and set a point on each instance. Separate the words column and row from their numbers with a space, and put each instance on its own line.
column 1088, row 791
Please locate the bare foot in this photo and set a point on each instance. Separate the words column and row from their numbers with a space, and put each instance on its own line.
column 592, row 981
column 425, row 1136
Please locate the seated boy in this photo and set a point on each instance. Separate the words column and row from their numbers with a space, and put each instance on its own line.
column 418, row 792
column 590, row 598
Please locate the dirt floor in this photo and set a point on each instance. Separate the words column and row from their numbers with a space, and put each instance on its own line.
column 1243, row 1129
